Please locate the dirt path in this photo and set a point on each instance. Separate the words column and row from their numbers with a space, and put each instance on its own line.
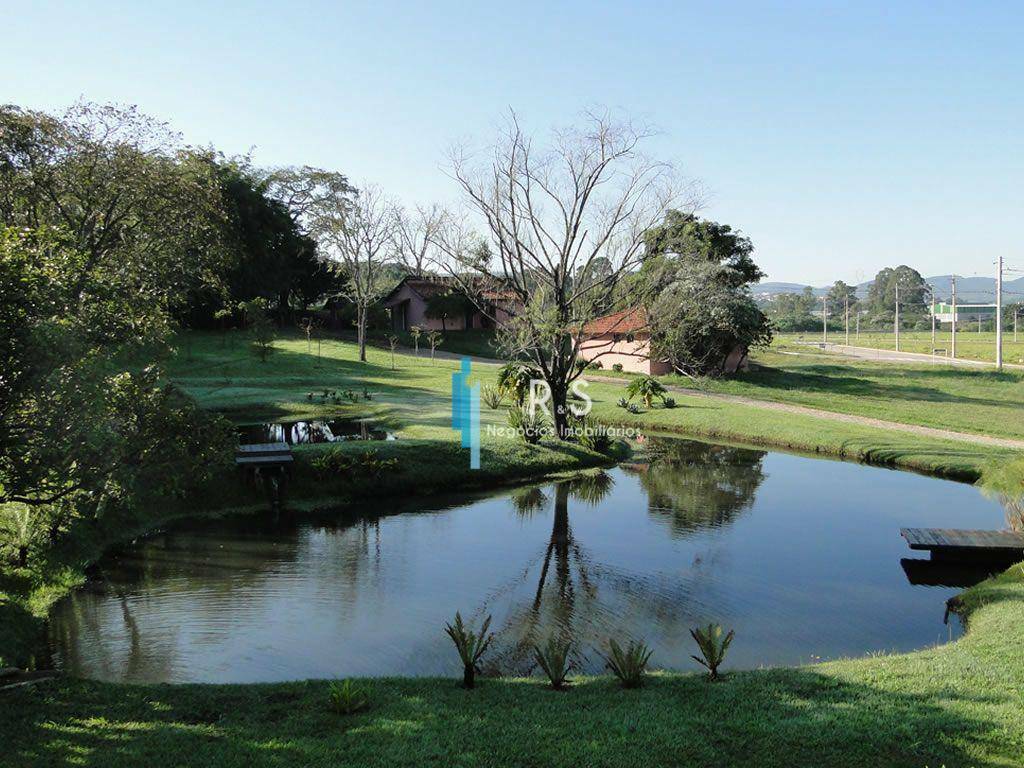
column 803, row 410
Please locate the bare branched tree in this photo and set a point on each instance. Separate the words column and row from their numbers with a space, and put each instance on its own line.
column 566, row 222
column 355, row 228
column 361, row 238
column 417, row 233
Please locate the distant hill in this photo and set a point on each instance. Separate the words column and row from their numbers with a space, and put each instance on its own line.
column 981, row 290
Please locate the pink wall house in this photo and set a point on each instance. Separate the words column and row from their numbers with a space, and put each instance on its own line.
column 624, row 338
column 408, row 305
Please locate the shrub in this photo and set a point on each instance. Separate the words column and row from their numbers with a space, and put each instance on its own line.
column 470, row 645
column 633, row 408
column 367, row 464
column 553, row 658
column 531, row 426
column 595, row 365
column 622, row 402
column 668, row 402
column 712, row 647
column 630, row 664
column 646, row 388
column 591, row 435
column 514, row 380
column 492, row 397
column 617, row 367
column 347, row 698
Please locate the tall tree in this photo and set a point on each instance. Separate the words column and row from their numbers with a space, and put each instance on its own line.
column 355, row 228
column 694, row 284
column 553, row 214
column 841, row 295
column 913, row 293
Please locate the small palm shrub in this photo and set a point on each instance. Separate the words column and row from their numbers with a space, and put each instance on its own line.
column 622, row 402
column 530, row 426
column 712, row 647
column 629, row 664
column 591, row 435
column 668, row 402
column 514, row 380
column 617, row 367
column 553, row 658
column 646, row 388
column 595, row 365
column 470, row 645
column 632, row 408
column 367, row 464
column 491, row 397
column 347, row 698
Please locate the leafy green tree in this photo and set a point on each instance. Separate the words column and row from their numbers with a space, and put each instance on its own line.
column 694, row 287
column 913, row 294
column 85, row 423
column 841, row 295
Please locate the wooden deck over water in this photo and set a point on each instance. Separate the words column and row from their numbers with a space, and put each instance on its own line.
column 965, row 545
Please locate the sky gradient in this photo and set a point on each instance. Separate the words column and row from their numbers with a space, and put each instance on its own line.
column 841, row 138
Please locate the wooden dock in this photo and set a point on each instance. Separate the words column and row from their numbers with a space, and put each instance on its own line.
column 263, row 455
column 952, row 544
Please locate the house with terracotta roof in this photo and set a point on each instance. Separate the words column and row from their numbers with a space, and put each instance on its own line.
column 624, row 338
column 408, row 303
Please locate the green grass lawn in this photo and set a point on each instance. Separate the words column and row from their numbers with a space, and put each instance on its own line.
column 979, row 401
column 970, row 345
column 959, row 704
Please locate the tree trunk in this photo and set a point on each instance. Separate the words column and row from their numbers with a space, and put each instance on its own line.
column 560, row 410
column 468, row 676
column 361, row 332
column 23, row 557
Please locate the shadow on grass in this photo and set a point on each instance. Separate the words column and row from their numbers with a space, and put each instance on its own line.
column 796, row 717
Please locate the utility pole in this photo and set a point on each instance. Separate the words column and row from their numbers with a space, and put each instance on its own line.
column 952, row 346
column 847, row 320
column 1015, row 310
column 824, row 319
column 999, row 314
column 896, row 323
column 933, row 318
column 858, row 325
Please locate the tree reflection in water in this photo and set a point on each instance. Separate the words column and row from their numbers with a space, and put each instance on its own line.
column 691, row 486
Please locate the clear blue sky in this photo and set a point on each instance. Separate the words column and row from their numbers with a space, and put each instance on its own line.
column 840, row 137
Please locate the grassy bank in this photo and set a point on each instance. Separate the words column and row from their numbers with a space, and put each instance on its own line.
column 956, row 704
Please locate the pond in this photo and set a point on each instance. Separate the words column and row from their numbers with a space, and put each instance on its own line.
column 801, row 556
column 299, row 432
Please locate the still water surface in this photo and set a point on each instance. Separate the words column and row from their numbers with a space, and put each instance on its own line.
column 801, row 556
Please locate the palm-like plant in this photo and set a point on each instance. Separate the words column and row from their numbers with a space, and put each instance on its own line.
column 628, row 664
column 646, row 388
column 18, row 532
column 514, row 380
column 347, row 698
column 470, row 645
column 713, row 646
column 553, row 658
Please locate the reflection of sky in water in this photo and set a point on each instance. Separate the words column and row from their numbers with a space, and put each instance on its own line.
column 800, row 556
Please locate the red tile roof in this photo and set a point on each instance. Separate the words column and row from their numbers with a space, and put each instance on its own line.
column 627, row 321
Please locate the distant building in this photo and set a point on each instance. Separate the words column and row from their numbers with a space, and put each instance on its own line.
column 408, row 304
column 623, row 338
column 943, row 312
